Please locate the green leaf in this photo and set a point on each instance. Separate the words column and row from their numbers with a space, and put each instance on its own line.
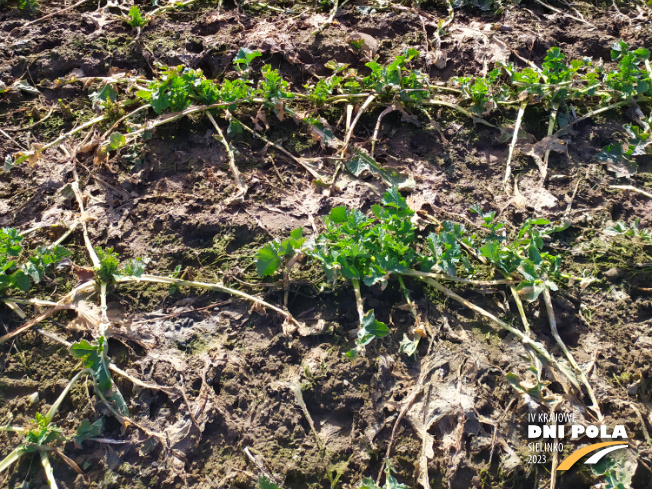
column 491, row 251
column 362, row 162
column 135, row 18
column 267, row 260
column 245, row 56
column 91, row 356
column 534, row 255
column 159, row 102
column 392, row 483
column 531, row 289
column 338, row 214
column 368, row 483
column 86, row 352
column 87, row 430
column 134, row 268
column 106, row 94
column 392, row 198
column 116, row 140
column 144, row 94
column 371, row 328
column 108, row 264
column 20, row 280
column 234, row 128
column 265, row 483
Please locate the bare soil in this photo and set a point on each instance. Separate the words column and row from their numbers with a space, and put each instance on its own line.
column 239, row 372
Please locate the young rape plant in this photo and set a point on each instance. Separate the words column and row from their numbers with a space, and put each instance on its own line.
column 371, row 249
column 16, row 276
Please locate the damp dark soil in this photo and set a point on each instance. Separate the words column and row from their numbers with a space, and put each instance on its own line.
column 249, row 397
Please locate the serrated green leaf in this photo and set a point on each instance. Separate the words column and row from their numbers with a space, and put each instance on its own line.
column 393, row 198
column 87, row 430
column 267, row 260
column 338, row 215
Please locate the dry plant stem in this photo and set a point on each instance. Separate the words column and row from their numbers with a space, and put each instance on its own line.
column 459, row 109
column 125, row 420
column 633, row 189
column 358, row 299
column 71, row 463
column 126, row 116
column 374, row 138
column 64, row 236
column 314, row 173
column 84, row 217
column 560, row 12
column 27, row 128
column 204, row 285
column 172, row 6
column 508, row 166
column 12, row 140
column 366, row 104
column 104, row 320
column 164, row 119
column 53, row 14
column 646, row 433
column 536, row 346
column 144, row 385
column 580, row 373
column 406, row 294
column 14, row 307
column 336, row 7
column 349, row 132
column 10, row 459
column 521, row 309
column 65, row 136
column 615, row 105
column 438, row 32
column 296, row 390
column 49, row 471
column 239, row 181
column 61, row 305
column 55, row 407
column 416, row 391
column 551, row 127
column 443, row 276
column 555, row 462
column 30, row 302
column 349, row 111
column 112, row 366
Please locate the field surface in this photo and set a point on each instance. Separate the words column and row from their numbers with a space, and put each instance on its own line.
column 323, row 245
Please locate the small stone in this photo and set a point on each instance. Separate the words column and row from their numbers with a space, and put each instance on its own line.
column 612, row 273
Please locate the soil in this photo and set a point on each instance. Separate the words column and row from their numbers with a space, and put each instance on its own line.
column 241, row 396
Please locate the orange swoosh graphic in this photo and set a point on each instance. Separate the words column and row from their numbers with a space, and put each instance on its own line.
column 575, row 456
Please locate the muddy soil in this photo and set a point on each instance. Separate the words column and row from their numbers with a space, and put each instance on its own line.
column 238, row 395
